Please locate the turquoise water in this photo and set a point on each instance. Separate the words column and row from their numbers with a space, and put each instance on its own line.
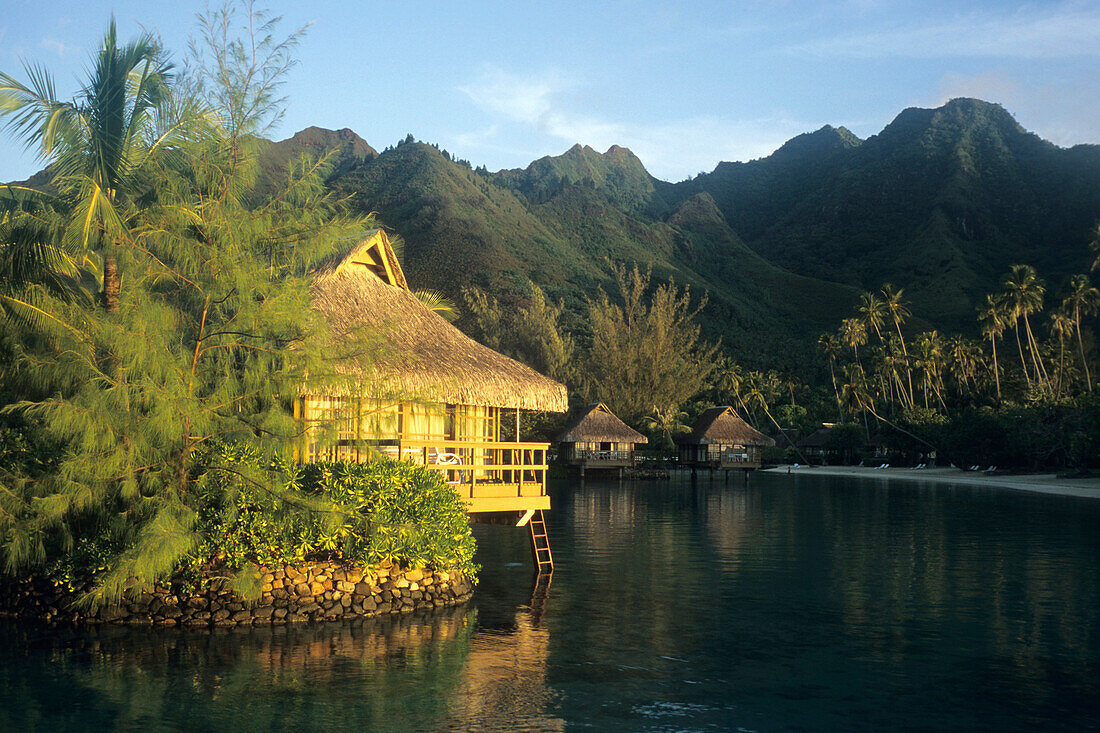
column 789, row 603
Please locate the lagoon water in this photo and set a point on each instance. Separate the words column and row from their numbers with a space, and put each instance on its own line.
column 787, row 603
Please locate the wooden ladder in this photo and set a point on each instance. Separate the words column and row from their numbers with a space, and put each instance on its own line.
column 540, row 592
column 540, row 543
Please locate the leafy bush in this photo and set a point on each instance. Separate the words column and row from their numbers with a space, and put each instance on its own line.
column 252, row 511
column 358, row 512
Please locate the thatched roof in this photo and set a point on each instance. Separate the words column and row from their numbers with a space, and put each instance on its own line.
column 816, row 439
column 420, row 353
column 722, row 425
column 597, row 424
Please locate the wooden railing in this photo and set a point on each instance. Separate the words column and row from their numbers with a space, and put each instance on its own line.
column 480, row 469
column 605, row 455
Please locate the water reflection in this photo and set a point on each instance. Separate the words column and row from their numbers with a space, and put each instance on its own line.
column 424, row 671
column 783, row 603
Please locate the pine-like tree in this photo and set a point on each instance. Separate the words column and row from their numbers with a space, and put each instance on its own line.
column 209, row 342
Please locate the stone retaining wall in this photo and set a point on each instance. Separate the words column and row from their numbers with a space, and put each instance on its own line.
column 316, row 592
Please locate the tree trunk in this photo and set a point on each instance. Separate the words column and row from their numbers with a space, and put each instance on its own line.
column 112, row 285
column 1081, row 347
column 996, row 368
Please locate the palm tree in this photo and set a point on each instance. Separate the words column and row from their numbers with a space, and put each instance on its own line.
column 830, row 346
column 896, row 307
column 993, row 319
column 666, row 423
column 853, row 333
column 1023, row 294
column 438, row 303
column 1081, row 298
column 98, row 145
column 930, row 357
column 966, row 357
column 871, row 309
column 1061, row 323
column 1094, row 245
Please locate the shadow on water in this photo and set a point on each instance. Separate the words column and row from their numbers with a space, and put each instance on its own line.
column 780, row 603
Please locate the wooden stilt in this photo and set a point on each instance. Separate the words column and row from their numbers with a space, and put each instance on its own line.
column 540, row 543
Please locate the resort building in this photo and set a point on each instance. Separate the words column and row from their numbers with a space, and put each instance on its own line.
column 419, row 389
column 722, row 440
column 597, row 439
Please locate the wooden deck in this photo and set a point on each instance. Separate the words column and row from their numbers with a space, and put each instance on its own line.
column 489, row 476
column 602, row 459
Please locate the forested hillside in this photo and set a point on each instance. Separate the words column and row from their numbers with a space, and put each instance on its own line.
column 940, row 203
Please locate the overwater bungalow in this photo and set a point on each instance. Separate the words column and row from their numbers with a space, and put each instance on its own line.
column 424, row 391
column 720, row 439
column 597, row 439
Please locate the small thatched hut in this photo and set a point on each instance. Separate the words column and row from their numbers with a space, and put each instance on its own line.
column 721, row 439
column 814, row 444
column 423, row 390
column 597, row 438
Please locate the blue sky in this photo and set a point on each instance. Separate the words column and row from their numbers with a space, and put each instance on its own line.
column 683, row 84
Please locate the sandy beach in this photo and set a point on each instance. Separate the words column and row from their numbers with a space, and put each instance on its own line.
column 1041, row 483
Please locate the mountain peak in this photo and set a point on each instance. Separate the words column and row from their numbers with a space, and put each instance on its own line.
column 319, row 140
column 957, row 117
column 828, row 139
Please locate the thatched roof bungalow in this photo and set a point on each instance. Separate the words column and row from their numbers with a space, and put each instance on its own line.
column 417, row 388
column 721, row 439
column 597, row 438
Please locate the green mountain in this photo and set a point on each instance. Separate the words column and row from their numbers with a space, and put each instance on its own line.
column 941, row 202
column 564, row 221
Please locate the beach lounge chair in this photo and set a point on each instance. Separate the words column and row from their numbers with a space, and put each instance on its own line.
column 991, row 469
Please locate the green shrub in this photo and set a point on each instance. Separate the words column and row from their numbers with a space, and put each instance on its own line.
column 357, row 512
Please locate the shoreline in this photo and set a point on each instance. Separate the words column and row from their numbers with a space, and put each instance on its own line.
column 1040, row 483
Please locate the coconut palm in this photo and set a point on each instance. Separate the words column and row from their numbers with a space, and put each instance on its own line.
column 896, row 307
column 98, row 145
column 1095, row 246
column 994, row 320
column 872, row 310
column 1061, row 324
column 831, row 347
column 853, row 334
column 1023, row 292
column 1081, row 299
column 965, row 360
column 929, row 351
column 666, row 424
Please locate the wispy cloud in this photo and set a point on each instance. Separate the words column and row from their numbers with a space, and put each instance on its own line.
column 549, row 106
column 1061, row 30
column 61, row 48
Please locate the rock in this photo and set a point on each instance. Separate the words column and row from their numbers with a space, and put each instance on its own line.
column 279, row 613
column 345, row 586
column 315, row 589
column 264, row 612
column 414, row 575
column 303, row 590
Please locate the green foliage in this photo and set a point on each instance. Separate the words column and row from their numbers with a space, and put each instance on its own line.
column 210, row 337
column 260, row 512
column 530, row 332
column 646, row 354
